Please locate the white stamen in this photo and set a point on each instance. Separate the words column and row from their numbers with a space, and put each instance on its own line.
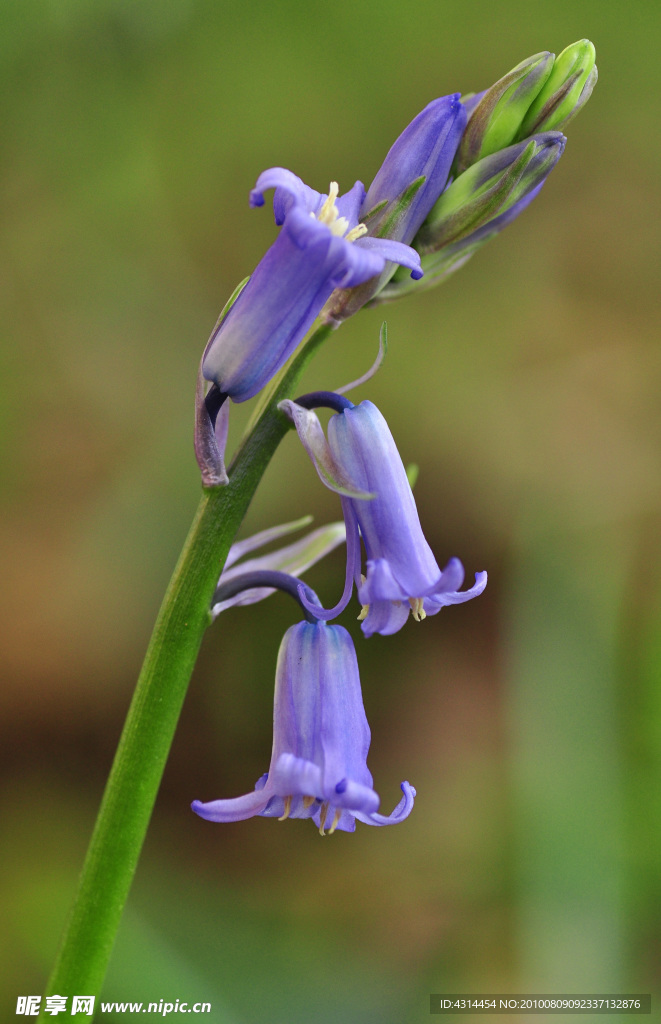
column 357, row 232
column 329, row 211
column 417, row 608
column 330, row 216
column 336, row 820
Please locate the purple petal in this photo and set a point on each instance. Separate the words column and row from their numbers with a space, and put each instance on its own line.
column 350, row 203
column 452, row 577
column 353, row 264
column 295, row 776
column 361, row 442
column 273, row 312
column 290, row 190
column 402, row 810
column 425, row 148
column 380, row 584
column 385, row 617
column 311, row 435
column 354, row 797
column 395, row 252
column 238, row 809
column 435, row 602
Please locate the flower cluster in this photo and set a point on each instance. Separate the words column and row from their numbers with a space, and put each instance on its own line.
column 461, row 171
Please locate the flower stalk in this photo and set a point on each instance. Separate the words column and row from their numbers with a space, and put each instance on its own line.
column 143, row 749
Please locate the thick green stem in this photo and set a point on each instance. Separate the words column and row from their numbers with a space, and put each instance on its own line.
column 152, row 718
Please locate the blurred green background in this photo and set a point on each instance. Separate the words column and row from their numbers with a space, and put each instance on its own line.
column 527, row 389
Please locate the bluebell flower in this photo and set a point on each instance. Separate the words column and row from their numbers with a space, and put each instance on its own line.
column 402, row 575
column 321, row 247
column 321, row 738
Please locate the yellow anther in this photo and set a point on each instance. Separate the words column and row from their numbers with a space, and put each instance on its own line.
column 287, row 809
column 308, row 801
column 357, row 232
column 322, row 818
column 364, row 611
column 330, row 216
column 419, row 612
column 336, row 819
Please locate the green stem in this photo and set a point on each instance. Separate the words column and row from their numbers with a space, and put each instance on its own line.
column 143, row 749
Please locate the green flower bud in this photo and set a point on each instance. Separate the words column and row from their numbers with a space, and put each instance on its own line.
column 496, row 119
column 474, row 198
column 566, row 90
column 476, row 207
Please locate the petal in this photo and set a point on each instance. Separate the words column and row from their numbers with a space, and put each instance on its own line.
column 402, row 810
column 343, row 731
column 273, row 312
column 385, row 617
column 290, row 190
column 361, row 442
column 354, row 797
column 435, row 602
column 353, row 265
column 426, row 148
column 312, row 438
column 380, row 584
column 296, row 776
column 237, row 809
column 452, row 577
column 319, row 719
column 349, row 204
column 394, row 252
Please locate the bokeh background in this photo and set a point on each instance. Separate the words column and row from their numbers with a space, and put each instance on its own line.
column 526, row 388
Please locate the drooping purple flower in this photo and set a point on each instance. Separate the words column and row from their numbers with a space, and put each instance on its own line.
column 402, row 574
column 320, row 247
column 321, row 738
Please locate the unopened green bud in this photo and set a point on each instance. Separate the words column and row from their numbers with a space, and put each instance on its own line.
column 566, row 90
column 476, row 207
column 475, row 197
column 495, row 121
